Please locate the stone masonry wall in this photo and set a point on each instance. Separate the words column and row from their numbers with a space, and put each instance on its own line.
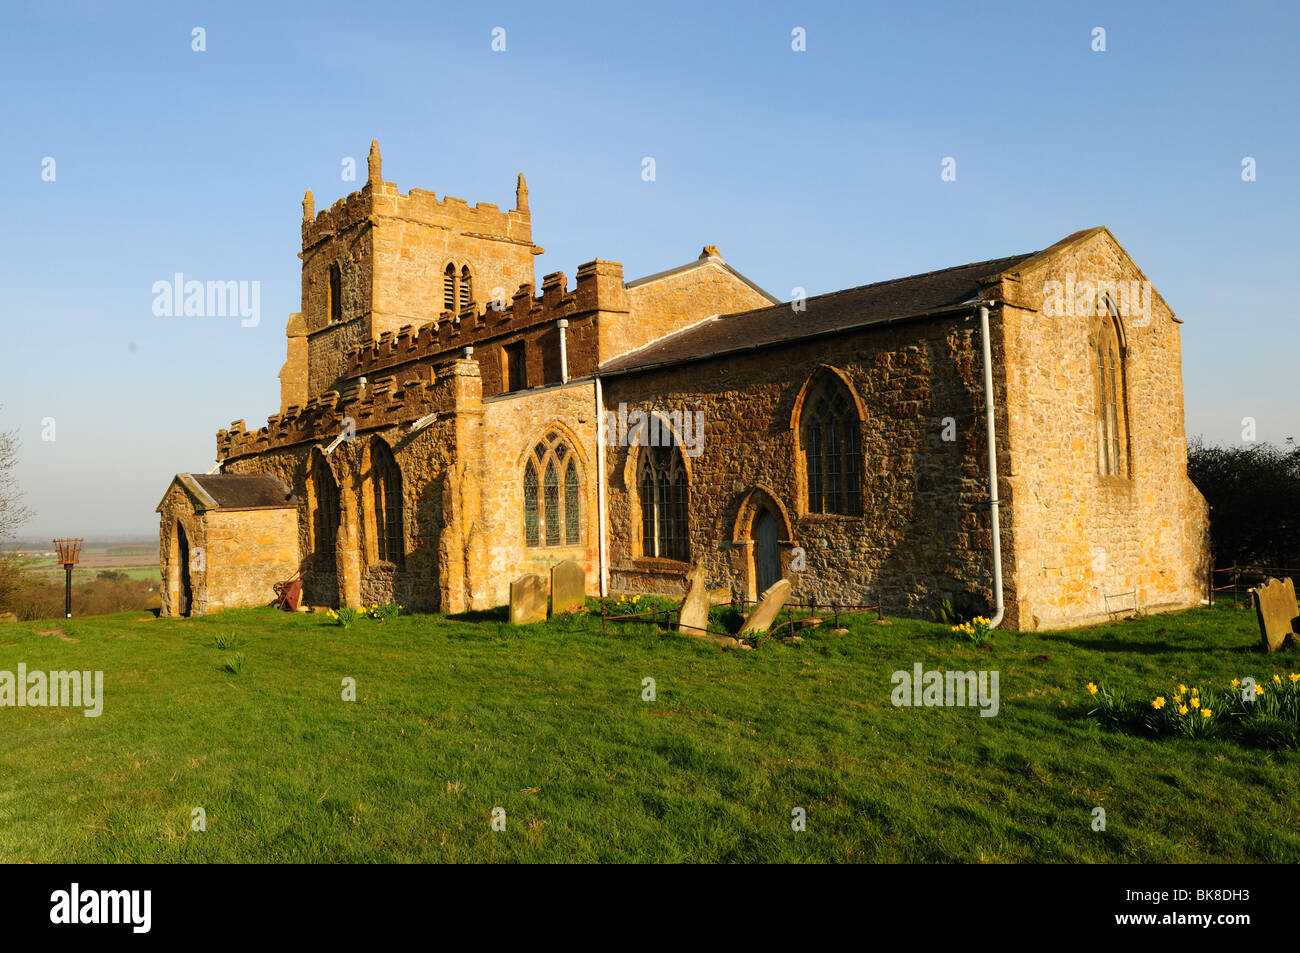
column 513, row 425
column 924, row 531
column 1087, row 543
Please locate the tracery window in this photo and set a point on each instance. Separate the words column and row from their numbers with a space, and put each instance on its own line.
column 831, row 439
column 553, row 503
column 665, row 500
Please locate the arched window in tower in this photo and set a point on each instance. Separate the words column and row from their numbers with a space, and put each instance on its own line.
column 466, row 287
column 831, row 440
column 449, row 287
column 387, row 489
column 324, row 500
column 336, row 293
column 665, row 501
column 553, row 509
column 1109, row 357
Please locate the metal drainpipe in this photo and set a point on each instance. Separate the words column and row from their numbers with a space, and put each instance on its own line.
column 994, row 525
column 562, row 324
column 600, row 485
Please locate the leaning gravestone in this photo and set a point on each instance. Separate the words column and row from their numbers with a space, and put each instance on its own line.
column 693, row 617
column 769, row 604
column 528, row 599
column 1275, row 606
column 568, row 588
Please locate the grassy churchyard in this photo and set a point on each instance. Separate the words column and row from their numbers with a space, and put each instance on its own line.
column 241, row 714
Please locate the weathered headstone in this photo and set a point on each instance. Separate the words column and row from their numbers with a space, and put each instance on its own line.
column 528, row 599
column 1275, row 607
column 769, row 604
column 693, row 617
column 568, row 588
column 720, row 595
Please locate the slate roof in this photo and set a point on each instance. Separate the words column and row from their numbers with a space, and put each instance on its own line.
column 868, row 304
column 236, row 491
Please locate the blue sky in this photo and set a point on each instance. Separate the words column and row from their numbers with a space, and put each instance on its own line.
column 817, row 169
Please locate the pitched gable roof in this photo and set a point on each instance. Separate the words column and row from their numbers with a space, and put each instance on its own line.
column 710, row 258
column 839, row 310
column 234, row 491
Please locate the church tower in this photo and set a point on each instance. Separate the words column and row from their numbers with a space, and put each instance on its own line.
column 378, row 260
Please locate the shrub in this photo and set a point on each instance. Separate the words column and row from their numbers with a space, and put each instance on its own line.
column 1263, row 714
column 385, row 612
column 343, row 617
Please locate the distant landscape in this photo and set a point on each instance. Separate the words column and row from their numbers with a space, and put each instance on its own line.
column 113, row 575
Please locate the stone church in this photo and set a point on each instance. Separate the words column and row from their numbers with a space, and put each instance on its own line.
column 444, row 429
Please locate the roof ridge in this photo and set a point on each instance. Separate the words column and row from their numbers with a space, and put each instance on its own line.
column 888, row 281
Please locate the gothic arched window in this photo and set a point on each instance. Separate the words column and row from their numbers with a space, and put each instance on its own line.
column 553, row 504
column 324, row 501
column 386, row 482
column 1109, row 357
column 831, row 440
column 665, row 498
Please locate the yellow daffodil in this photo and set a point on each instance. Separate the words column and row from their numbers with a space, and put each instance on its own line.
column 1259, row 689
column 1182, row 709
column 1236, row 682
column 1092, row 689
column 1277, row 678
column 1295, row 677
column 1196, row 702
column 1182, row 689
column 1195, row 690
column 1206, row 713
column 1158, row 703
column 1178, row 699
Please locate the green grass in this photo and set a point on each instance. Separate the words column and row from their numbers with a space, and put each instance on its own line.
column 453, row 719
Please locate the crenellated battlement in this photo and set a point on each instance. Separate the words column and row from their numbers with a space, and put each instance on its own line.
column 382, row 402
column 599, row 288
column 381, row 199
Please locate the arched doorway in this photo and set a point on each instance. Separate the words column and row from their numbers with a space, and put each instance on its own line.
column 185, row 596
column 767, row 551
column 761, row 542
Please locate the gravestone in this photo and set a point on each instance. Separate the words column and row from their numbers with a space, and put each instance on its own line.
column 1275, row 607
column 528, row 599
column 769, row 604
column 720, row 595
column 693, row 617
column 568, row 588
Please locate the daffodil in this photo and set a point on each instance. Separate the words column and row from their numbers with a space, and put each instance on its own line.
column 1295, row 677
column 1182, row 689
column 1259, row 689
column 1092, row 689
column 1206, row 713
column 1158, row 703
column 1182, row 709
column 1196, row 702
column 1277, row 678
column 1236, row 682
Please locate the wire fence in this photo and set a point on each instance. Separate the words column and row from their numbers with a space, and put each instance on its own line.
column 667, row 615
column 1239, row 580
